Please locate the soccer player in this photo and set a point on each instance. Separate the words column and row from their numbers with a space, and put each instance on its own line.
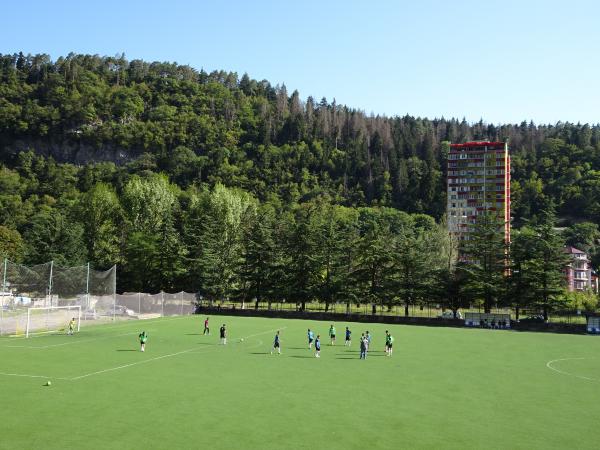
column 143, row 338
column 318, row 346
column 348, row 340
column 276, row 344
column 332, row 334
column 389, row 345
column 206, row 329
column 368, row 337
column 311, row 336
column 223, row 334
column 387, row 335
column 363, row 347
column 71, row 326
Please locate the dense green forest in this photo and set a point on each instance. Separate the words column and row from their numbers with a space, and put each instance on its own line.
column 186, row 178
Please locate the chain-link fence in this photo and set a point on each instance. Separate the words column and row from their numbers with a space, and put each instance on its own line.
column 140, row 304
column 47, row 286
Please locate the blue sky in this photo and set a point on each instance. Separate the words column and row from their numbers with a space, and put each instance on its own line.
column 502, row 61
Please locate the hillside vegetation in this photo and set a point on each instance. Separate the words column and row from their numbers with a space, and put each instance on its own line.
column 139, row 163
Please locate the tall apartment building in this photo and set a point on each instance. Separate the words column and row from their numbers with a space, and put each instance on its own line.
column 478, row 182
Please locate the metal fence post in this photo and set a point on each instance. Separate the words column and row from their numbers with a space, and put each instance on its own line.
column 87, row 291
column 3, row 295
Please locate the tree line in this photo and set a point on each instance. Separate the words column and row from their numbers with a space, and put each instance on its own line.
column 225, row 244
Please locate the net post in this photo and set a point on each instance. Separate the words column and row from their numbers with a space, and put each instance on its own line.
column 50, row 282
column 27, row 326
column 162, row 304
column 114, row 268
column 79, row 314
column 3, row 295
column 4, row 275
column 87, row 291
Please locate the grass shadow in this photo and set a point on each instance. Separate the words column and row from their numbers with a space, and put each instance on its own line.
column 299, row 348
column 300, row 356
column 126, row 350
column 260, row 353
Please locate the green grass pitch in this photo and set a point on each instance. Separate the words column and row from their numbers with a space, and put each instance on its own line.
column 443, row 388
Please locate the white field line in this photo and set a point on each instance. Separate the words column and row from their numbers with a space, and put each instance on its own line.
column 22, row 375
column 36, row 333
column 135, row 363
column 131, row 364
column 549, row 366
column 74, row 341
column 190, row 350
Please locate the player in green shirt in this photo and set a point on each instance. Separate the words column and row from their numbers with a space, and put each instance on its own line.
column 143, row 338
column 390, row 341
column 332, row 334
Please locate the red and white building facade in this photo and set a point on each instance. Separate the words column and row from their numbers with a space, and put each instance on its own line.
column 478, row 182
column 579, row 273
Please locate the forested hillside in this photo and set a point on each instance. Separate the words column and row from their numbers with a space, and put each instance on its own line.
column 110, row 160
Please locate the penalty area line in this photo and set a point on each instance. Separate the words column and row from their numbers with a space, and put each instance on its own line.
column 75, row 340
column 88, row 325
column 189, row 350
column 22, row 375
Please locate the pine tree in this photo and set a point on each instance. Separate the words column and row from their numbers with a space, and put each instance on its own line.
column 259, row 264
column 485, row 261
column 303, row 269
column 376, row 259
column 416, row 259
column 539, row 253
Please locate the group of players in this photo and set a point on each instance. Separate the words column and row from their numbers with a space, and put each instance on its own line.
column 365, row 340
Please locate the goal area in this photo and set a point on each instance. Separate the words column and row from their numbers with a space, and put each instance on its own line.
column 51, row 319
column 48, row 286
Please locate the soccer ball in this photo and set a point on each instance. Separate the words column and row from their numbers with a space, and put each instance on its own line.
column 242, row 340
column 48, row 383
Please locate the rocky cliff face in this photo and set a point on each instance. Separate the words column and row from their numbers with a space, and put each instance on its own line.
column 70, row 151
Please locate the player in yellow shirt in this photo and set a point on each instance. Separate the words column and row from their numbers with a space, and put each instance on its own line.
column 71, row 326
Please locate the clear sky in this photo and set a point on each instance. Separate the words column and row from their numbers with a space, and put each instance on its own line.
column 501, row 61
